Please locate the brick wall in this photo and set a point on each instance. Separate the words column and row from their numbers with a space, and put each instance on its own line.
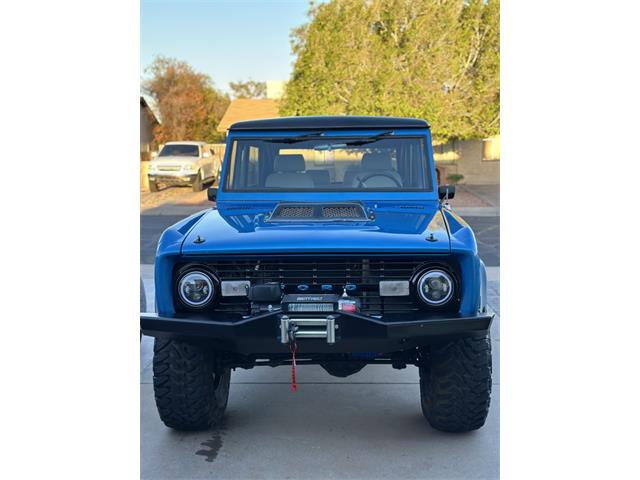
column 470, row 158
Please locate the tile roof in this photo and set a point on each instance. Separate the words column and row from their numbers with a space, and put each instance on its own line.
column 147, row 103
column 248, row 109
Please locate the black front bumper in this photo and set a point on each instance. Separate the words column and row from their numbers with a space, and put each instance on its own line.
column 355, row 333
column 173, row 179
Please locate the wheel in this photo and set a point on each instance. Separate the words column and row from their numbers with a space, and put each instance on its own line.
column 191, row 394
column 197, row 183
column 455, row 384
column 153, row 186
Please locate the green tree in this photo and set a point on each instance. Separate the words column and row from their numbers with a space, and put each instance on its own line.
column 190, row 107
column 438, row 60
column 248, row 89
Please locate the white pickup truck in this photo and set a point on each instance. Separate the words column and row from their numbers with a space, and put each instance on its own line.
column 183, row 163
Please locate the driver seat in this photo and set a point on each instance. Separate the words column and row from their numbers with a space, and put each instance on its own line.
column 373, row 163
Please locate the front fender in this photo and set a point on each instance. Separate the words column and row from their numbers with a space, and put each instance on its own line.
column 464, row 248
column 169, row 249
column 483, row 287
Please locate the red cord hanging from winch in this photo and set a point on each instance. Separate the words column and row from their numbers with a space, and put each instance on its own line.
column 294, row 348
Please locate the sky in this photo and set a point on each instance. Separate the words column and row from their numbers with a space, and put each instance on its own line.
column 228, row 40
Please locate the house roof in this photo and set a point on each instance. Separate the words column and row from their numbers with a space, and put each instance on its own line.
column 248, row 109
column 145, row 104
column 329, row 123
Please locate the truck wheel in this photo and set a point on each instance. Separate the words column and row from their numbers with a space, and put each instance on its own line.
column 153, row 186
column 197, row 183
column 455, row 384
column 190, row 393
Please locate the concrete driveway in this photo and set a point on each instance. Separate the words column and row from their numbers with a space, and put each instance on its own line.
column 368, row 425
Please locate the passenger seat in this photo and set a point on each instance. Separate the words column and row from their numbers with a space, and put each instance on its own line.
column 289, row 173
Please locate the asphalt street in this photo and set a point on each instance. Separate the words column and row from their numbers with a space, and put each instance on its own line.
column 486, row 228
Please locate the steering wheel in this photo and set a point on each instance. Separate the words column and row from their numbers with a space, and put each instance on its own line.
column 363, row 179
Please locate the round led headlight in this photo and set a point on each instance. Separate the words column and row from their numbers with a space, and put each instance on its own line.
column 196, row 289
column 435, row 287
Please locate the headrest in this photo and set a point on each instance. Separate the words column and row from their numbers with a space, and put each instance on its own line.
column 376, row 161
column 289, row 163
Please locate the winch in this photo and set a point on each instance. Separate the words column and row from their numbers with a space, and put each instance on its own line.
column 310, row 303
column 295, row 328
column 319, row 303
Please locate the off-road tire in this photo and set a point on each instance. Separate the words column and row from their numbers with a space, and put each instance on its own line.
column 455, row 384
column 153, row 186
column 197, row 184
column 190, row 393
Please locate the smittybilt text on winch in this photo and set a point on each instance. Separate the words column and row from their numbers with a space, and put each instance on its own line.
column 331, row 244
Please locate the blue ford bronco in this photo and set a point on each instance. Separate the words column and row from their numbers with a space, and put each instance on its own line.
column 329, row 244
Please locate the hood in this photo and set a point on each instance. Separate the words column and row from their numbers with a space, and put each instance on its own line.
column 398, row 227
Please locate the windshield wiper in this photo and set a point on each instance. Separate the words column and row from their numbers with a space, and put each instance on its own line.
column 309, row 136
column 297, row 138
column 373, row 138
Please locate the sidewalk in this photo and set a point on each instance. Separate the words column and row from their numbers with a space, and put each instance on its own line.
column 477, row 200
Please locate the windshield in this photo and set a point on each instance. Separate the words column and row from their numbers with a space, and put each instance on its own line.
column 177, row 150
column 380, row 162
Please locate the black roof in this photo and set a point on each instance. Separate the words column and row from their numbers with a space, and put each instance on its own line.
column 328, row 122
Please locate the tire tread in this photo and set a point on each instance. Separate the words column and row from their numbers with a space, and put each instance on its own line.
column 455, row 384
column 184, row 385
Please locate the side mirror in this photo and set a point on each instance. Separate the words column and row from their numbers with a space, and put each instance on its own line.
column 212, row 193
column 154, row 154
column 206, row 155
column 446, row 192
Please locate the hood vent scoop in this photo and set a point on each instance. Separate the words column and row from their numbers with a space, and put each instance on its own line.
column 318, row 212
column 343, row 211
column 293, row 211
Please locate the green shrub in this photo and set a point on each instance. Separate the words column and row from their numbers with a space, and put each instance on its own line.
column 455, row 178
